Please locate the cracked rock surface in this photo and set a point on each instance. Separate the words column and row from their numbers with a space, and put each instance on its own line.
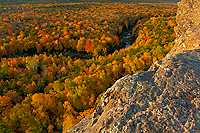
column 166, row 98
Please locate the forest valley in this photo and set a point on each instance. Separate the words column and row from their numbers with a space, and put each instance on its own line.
column 58, row 59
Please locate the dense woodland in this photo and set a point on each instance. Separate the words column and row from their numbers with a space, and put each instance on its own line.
column 58, row 59
column 16, row 2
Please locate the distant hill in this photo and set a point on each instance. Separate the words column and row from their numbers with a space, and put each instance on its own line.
column 14, row 2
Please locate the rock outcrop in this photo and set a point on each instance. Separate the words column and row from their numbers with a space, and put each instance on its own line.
column 188, row 26
column 166, row 98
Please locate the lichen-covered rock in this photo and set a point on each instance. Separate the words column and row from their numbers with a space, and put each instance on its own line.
column 188, row 26
column 166, row 98
column 188, row 15
column 187, row 41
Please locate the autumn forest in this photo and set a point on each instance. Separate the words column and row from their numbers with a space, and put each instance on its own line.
column 58, row 59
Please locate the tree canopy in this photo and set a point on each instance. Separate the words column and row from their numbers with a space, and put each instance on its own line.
column 58, row 59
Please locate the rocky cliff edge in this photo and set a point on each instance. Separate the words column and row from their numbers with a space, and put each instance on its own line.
column 166, row 98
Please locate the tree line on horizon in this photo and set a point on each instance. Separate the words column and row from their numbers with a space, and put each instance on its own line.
column 16, row 2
